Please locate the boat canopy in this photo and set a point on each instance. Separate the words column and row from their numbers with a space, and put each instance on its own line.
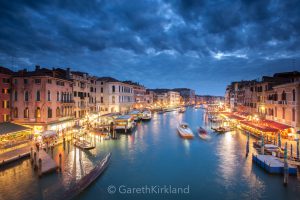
column 123, row 117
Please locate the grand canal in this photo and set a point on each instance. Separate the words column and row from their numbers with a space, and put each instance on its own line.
column 154, row 155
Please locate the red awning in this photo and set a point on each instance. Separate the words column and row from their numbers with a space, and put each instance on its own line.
column 276, row 125
column 259, row 127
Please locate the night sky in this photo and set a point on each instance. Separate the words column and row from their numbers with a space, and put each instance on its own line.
column 201, row 44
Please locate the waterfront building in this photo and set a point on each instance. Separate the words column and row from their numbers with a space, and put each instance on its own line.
column 117, row 95
column 140, row 94
column 208, row 99
column 188, row 95
column 166, row 97
column 43, row 99
column 5, row 90
column 84, row 93
column 273, row 98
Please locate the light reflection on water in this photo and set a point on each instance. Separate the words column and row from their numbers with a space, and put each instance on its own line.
column 155, row 154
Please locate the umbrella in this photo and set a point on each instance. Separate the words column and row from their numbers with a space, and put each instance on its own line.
column 279, row 140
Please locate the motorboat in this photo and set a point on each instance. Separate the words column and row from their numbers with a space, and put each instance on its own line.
column 146, row 115
column 203, row 134
column 184, row 131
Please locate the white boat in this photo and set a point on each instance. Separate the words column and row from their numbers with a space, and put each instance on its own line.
column 146, row 115
column 184, row 131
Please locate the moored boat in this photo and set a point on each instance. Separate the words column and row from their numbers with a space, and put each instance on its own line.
column 184, row 131
column 146, row 115
column 83, row 183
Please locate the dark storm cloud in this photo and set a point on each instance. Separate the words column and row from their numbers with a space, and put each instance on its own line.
column 195, row 42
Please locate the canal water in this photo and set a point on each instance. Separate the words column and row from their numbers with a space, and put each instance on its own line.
column 154, row 157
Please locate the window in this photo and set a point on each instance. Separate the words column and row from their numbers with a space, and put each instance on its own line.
column 57, row 112
column 16, row 81
column 49, row 81
column 293, row 115
column 275, row 111
column 16, row 96
column 26, row 96
column 26, row 113
column 38, row 95
column 5, row 117
column 38, row 112
column 113, row 88
column 283, row 96
column 102, row 90
column 113, row 99
column 294, row 95
column 49, row 95
column 5, row 104
column 16, row 113
column 101, row 99
column 283, row 113
column 49, row 112
column 57, row 96
column 25, row 81
column 37, row 81
column 5, row 80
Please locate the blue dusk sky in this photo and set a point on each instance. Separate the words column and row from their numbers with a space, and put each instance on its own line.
column 200, row 44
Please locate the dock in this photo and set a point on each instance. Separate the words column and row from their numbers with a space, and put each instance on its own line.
column 272, row 165
column 14, row 155
column 48, row 164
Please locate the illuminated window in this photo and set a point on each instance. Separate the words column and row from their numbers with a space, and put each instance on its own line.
column 26, row 113
column 38, row 112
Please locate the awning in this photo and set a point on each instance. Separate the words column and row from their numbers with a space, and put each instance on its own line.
column 259, row 127
column 276, row 125
column 48, row 133
column 233, row 116
column 8, row 127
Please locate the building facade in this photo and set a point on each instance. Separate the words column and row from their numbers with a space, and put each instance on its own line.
column 43, row 99
column 117, row 96
column 5, row 94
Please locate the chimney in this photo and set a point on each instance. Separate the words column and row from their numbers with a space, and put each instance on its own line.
column 37, row 67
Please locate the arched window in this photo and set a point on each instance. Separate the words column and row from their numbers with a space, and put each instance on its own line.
column 38, row 95
column 294, row 95
column 49, row 112
column 26, row 113
column 57, row 112
column 113, row 99
column 16, row 113
column 113, row 88
column 38, row 112
column 293, row 114
column 49, row 95
column 26, row 96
